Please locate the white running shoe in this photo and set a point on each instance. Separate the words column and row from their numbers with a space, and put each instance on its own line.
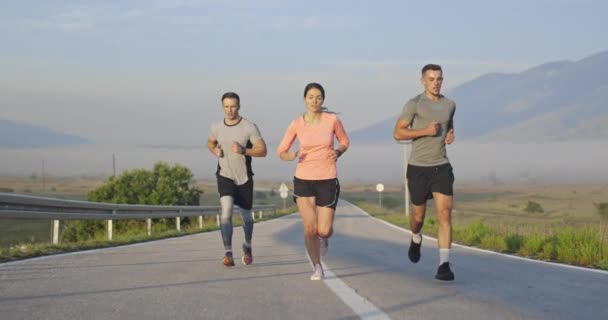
column 323, row 247
column 318, row 274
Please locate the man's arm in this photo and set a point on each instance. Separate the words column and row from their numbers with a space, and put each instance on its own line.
column 450, row 137
column 403, row 131
column 258, row 149
column 213, row 147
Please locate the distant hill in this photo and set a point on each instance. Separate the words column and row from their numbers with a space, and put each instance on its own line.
column 561, row 100
column 21, row 135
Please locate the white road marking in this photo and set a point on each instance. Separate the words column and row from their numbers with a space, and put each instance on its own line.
column 483, row 250
column 361, row 306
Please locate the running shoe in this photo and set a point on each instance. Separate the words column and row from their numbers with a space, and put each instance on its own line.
column 444, row 273
column 318, row 274
column 228, row 261
column 414, row 252
column 247, row 258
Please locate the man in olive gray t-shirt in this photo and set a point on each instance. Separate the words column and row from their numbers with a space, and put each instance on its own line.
column 420, row 112
column 428, row 120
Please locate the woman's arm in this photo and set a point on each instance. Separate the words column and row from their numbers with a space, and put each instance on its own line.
column 286, row 143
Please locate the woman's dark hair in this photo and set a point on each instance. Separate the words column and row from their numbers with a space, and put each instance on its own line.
column 231, row 95
column 314, row 85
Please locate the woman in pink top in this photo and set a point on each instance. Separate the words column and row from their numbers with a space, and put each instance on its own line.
column 316, row 186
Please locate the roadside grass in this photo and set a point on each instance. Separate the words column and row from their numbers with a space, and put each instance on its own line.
column 551, row 240
column 568, row 230
column 14, row 249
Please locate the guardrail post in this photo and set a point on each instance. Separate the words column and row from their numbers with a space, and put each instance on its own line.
column 217, row 219
column 55, row 231
column 200, row 222
column 109, row 230
column 149, row 226
column 178, row 225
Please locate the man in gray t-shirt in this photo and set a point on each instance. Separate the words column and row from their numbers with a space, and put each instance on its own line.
column 428, row 120
column 234, row 140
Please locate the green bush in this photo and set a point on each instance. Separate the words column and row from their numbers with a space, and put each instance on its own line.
column 549, row 249
column 390, row 202
column 493, row 242
column 7, row 190
column 83, row 230
column 602, row 210
column 533, row 207
column 603, row 259
column 577, row 246
column 164, row 185
column 261, row 195
column 532, row 245
column 472, row 234
column 514, row 242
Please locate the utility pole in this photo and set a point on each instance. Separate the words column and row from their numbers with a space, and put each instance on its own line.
column 113, row 165
column 406, row 157
column 43, row 179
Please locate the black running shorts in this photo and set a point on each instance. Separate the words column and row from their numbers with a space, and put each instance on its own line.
column 242, row 195
column 423, row 181
column 326, row 192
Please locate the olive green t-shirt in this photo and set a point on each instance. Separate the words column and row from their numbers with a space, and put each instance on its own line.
column 419, row 112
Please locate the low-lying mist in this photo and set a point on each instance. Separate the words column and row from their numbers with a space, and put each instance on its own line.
column 571, row 162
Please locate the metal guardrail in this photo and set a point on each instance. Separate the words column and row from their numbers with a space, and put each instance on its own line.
column 16, row 206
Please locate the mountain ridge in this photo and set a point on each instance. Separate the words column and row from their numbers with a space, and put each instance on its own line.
column 559, row 100
column 15, row 134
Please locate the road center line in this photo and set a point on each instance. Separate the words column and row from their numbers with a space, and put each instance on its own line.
column 361, row 306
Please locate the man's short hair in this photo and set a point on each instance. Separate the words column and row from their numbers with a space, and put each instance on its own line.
column 430, row 66
column 231, row 95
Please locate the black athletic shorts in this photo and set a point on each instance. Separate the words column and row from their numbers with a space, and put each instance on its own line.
column 326, row 192
column 423, row 181
column 242, row 195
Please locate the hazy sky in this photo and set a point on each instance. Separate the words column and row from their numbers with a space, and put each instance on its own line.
column 153, row 71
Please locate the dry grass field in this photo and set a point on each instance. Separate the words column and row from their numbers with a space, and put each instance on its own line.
column 497, row 205
column 556, row 222
column 569, row 204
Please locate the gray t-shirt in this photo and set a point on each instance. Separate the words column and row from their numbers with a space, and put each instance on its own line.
column 233, row 165
column 419, row 112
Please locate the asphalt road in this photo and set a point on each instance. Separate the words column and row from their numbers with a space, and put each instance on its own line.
column 369, row 276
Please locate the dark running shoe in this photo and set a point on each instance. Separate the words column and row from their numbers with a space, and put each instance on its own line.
column 414, row 252
column 228, row 261
column 444, row 273
column 247, row 257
